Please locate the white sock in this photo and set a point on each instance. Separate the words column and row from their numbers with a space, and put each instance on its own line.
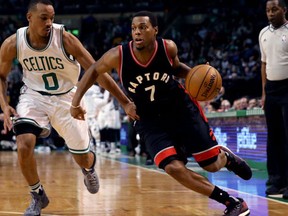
column 36, row 187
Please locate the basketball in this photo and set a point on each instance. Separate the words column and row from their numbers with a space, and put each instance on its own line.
column 203, row 82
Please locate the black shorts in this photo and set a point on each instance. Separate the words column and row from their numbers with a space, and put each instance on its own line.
column 178, row 135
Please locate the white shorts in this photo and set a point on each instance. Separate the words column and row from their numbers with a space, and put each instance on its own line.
column 54, row 111
column 94, row 128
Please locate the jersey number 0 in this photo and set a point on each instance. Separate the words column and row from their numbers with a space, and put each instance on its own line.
column 50, row 81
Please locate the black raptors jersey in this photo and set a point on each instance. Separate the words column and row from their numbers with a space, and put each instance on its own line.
column 151, row 86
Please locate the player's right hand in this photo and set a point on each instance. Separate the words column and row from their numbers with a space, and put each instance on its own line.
column 9, row 112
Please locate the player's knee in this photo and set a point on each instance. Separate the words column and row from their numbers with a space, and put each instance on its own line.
column 174, row 167
column 25, row 145
column 219, row 163
column 215, row 167
column 213, row 164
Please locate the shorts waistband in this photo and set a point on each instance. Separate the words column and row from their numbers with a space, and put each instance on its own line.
column 50, row 94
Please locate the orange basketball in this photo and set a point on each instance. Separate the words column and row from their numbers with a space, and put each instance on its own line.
column 203, row 82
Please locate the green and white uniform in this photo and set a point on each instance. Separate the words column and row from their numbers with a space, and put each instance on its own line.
column 49, row 77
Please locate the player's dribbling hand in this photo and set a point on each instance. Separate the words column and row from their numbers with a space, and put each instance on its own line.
column 77, row 112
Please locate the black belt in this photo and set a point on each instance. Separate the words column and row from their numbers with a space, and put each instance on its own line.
column 50, row 94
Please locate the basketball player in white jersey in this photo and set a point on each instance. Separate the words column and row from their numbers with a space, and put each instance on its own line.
column 49, row 56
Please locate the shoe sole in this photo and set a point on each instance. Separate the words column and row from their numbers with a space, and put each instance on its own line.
column 275, row 195
column 246, row 213
column 244, row 204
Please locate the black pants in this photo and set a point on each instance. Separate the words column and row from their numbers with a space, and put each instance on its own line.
column 132, row 141
column 276, row 112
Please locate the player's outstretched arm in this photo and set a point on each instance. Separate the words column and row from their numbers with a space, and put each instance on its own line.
column 97, row 72
column 7, row 55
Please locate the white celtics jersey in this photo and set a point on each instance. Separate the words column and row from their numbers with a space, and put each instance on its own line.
column 50, row 69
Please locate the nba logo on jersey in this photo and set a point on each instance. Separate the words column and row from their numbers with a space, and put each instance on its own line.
column 283, row 38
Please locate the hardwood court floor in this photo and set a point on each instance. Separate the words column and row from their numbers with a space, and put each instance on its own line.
column 128, row 188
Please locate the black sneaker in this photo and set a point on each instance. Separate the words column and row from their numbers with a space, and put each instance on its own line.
column 236, row 207
column 237, row 164
column 273, row 190
column 285, row 193
column 268, row 182
column 149, row 162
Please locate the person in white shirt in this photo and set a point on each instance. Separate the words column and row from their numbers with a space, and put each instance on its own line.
column 95, row 98
column 273, row 41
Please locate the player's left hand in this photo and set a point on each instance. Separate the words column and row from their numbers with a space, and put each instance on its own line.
column 130, row 110
column 77, row 112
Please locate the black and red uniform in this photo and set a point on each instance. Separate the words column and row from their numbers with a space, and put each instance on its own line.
column 171, row 124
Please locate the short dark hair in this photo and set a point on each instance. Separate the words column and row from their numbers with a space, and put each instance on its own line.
column 281, row 3
column 152, row 17
column 32, row 4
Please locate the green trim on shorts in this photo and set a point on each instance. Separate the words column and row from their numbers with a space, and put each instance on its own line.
column 53, row 94
column 77, row 151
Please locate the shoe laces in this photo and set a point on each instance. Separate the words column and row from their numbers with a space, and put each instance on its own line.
column 233, row 206
column 91, row 177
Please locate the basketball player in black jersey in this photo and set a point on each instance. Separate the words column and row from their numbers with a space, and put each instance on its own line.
column 171, row 124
